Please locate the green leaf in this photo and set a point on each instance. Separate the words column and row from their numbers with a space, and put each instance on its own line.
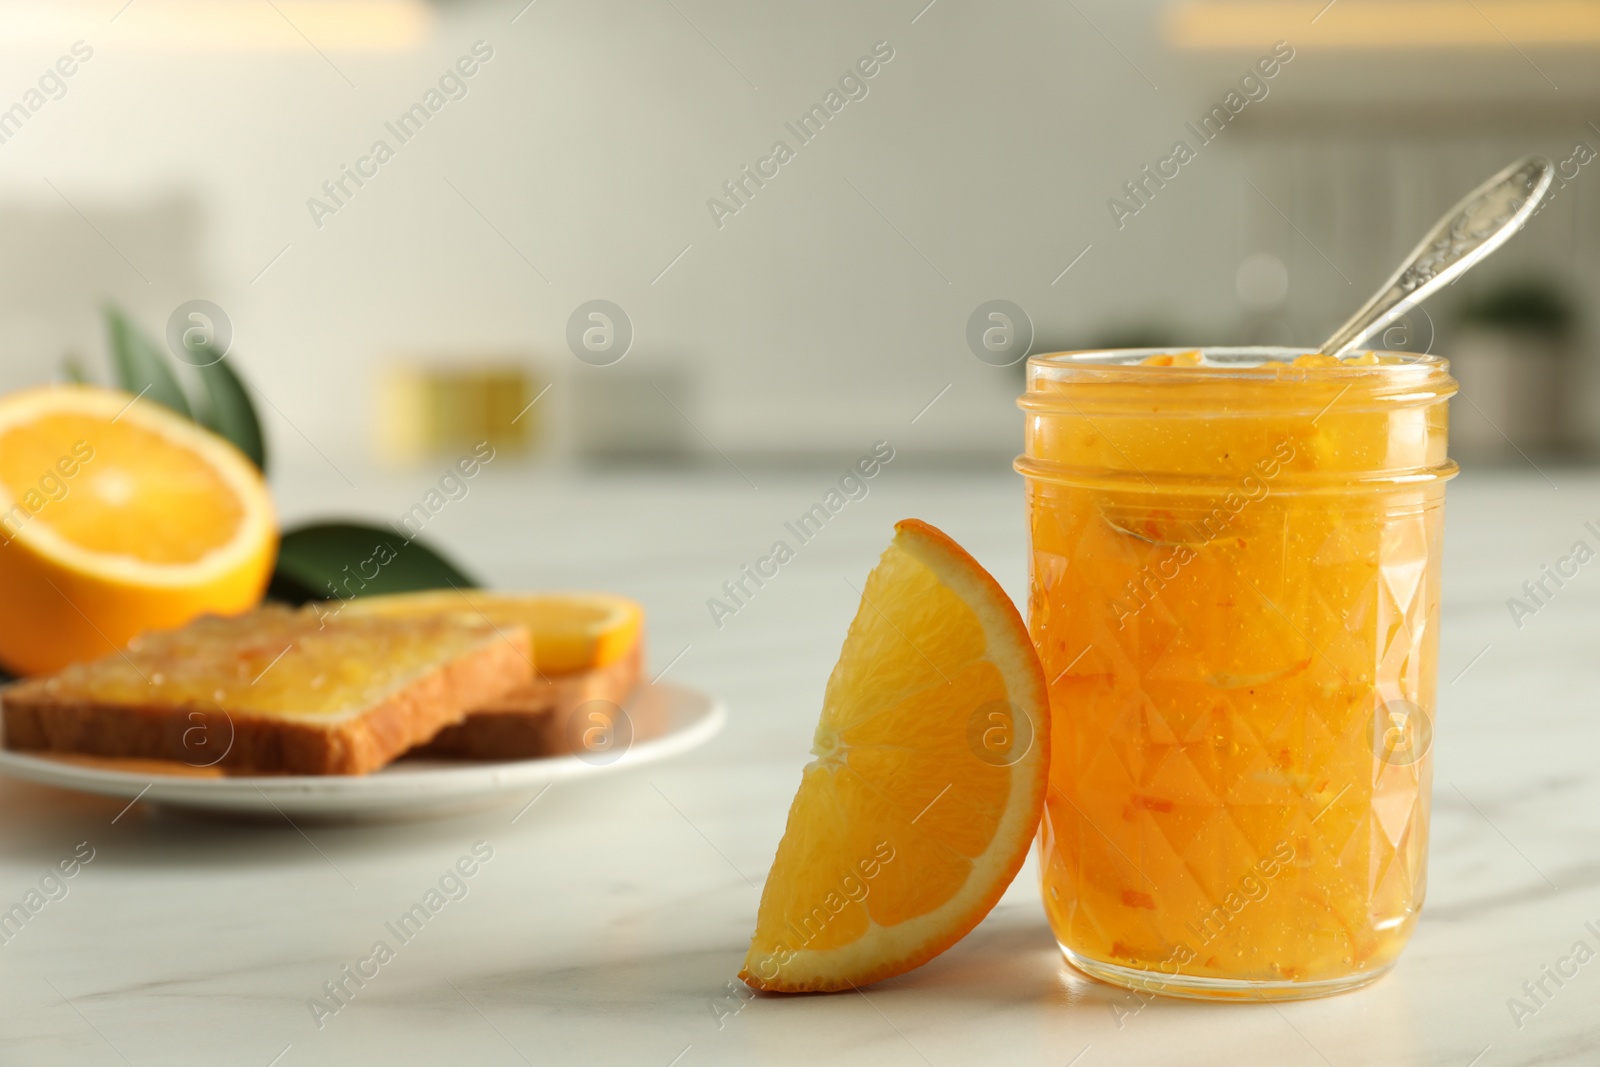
column 141, row 368
column 228, row 411
column 340, row 560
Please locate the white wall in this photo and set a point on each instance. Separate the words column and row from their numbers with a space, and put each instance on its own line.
column 593, row 138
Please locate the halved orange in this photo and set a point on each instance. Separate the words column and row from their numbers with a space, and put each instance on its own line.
column 931, row 765
column 571, row 631
column 118, row 516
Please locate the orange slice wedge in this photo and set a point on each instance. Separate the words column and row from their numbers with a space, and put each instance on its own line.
column 118, row 516
column 931, row 763
column 571, row 631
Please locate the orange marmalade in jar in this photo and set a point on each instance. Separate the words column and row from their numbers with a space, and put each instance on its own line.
column 1235, row 593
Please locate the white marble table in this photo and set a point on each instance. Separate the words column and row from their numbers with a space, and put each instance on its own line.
column 613, row 915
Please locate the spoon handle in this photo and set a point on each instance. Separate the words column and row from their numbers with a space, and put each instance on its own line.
column 1475, row 227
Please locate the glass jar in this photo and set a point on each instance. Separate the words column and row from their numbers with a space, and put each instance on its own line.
column 1234, row 593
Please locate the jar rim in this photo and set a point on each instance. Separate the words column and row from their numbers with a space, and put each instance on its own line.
column 1248, row 362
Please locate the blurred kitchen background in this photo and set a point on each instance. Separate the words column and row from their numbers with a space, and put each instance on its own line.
column 431, row 305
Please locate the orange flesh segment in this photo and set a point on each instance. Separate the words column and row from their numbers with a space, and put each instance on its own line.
column 117, row 517
column 141, row 495
column 902, row 836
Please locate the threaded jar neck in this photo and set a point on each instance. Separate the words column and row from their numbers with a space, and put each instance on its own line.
column 1214, row 416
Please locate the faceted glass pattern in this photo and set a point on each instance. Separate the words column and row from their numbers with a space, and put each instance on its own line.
column 1242, row 682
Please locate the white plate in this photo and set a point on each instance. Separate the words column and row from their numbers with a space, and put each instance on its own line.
column 408, row 789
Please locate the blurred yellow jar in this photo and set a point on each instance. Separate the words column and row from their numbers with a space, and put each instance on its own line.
column 1235, row 595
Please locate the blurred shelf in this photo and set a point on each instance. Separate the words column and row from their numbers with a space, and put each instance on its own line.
column 230, row 26
column 1382, row 25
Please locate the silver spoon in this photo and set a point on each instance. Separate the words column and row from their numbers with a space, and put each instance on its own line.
column 1478, row 225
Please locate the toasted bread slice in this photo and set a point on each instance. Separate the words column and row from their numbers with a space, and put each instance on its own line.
column 587, row 647
column 573, row 631
column 273, row 691
column 549, row 716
